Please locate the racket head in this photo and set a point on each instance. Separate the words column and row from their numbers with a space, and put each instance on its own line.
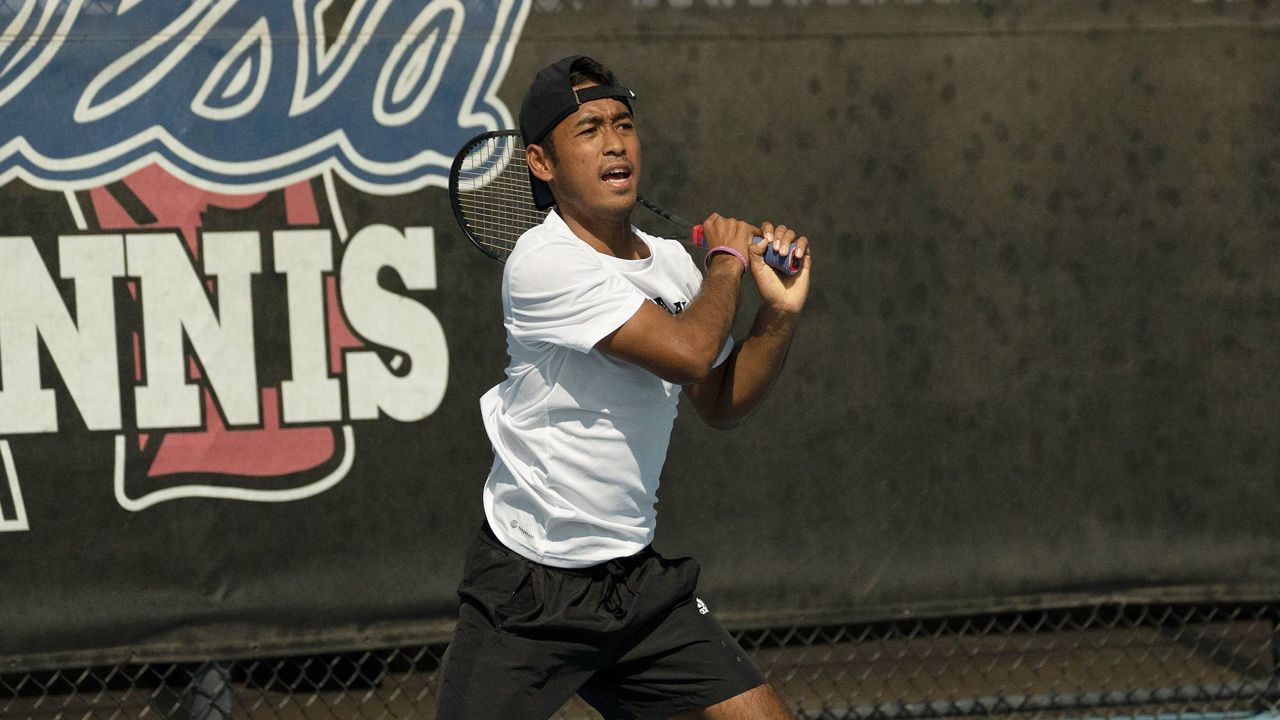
column 490, row 193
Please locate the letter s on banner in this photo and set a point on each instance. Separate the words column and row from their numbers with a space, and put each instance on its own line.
column 385, row 318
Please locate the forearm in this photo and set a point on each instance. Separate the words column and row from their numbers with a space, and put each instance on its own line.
column 682, row 349
column 738, row 386
column 752, row 369
column 705, row 323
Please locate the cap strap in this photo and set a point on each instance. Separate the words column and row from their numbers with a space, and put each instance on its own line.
column 596, row 92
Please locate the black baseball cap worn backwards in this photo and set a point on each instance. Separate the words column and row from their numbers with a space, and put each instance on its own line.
column 550, row 99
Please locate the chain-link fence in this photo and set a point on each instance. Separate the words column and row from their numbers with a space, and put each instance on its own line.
column 1156, row 660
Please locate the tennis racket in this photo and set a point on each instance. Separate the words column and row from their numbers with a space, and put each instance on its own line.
column 493, row 203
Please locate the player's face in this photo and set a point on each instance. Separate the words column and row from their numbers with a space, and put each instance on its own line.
column 597, row 168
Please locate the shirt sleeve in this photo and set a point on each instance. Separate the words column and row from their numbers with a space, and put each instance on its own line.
column 559, row 292
column 724, row 352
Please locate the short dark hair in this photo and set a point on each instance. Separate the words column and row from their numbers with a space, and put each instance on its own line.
column 587, row 70
column 583, row 70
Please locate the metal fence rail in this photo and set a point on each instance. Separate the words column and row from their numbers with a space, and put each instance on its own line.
column 1156, row 660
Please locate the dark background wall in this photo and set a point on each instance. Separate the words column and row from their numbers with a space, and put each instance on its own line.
column 1038, row 358
column 1037, row 365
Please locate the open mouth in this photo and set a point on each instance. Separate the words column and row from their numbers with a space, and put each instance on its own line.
column 617, row 177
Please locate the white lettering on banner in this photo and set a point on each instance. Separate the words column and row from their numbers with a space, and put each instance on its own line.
column 392, row 320
column 244, row 97
column 44, row 36
column 247, row 65
column 311, row 395
column 317, row 78
column 174, row 43
column 179, row 325
column 419, row 73
column 31, row 309
column 174, row 304
column 17, row 522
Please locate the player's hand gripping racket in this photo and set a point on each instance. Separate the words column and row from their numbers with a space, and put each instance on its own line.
column 491, row 198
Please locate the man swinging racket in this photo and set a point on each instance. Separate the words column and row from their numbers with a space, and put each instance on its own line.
column 606, row 324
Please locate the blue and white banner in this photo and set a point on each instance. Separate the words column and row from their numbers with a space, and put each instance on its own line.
column 243, row 96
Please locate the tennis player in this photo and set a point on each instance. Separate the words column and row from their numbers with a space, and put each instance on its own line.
column 606, row 325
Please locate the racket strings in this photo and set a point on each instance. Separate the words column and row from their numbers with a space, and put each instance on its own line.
column 493, row 195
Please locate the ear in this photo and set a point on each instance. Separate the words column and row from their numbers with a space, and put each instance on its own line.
column 539, row 163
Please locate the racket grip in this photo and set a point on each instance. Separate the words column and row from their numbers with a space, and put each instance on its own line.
column 787, row 264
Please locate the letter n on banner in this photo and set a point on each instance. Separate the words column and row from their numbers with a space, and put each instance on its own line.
column 13, row 514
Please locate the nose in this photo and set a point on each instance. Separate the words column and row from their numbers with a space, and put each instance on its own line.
column 613, row 144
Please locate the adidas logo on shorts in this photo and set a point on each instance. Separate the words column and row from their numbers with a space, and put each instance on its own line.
column 702, row 607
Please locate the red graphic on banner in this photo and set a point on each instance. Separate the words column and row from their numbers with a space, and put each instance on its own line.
column 269, row 451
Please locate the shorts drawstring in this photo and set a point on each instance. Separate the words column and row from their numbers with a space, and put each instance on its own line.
column 612, row 601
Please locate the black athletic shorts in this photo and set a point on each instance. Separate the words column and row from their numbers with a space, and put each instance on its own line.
column 627, row 635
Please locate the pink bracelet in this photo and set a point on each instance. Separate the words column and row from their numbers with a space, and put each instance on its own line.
column 706, row 261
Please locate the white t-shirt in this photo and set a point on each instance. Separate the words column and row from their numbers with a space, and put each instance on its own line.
column 579, row 437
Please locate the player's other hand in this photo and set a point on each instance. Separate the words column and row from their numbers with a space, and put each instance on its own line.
column 785, row 293
column 730, row 232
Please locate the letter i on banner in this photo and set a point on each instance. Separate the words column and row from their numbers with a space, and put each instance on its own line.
column 13, row 514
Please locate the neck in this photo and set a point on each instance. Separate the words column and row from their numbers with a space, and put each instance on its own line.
column 608, row 235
